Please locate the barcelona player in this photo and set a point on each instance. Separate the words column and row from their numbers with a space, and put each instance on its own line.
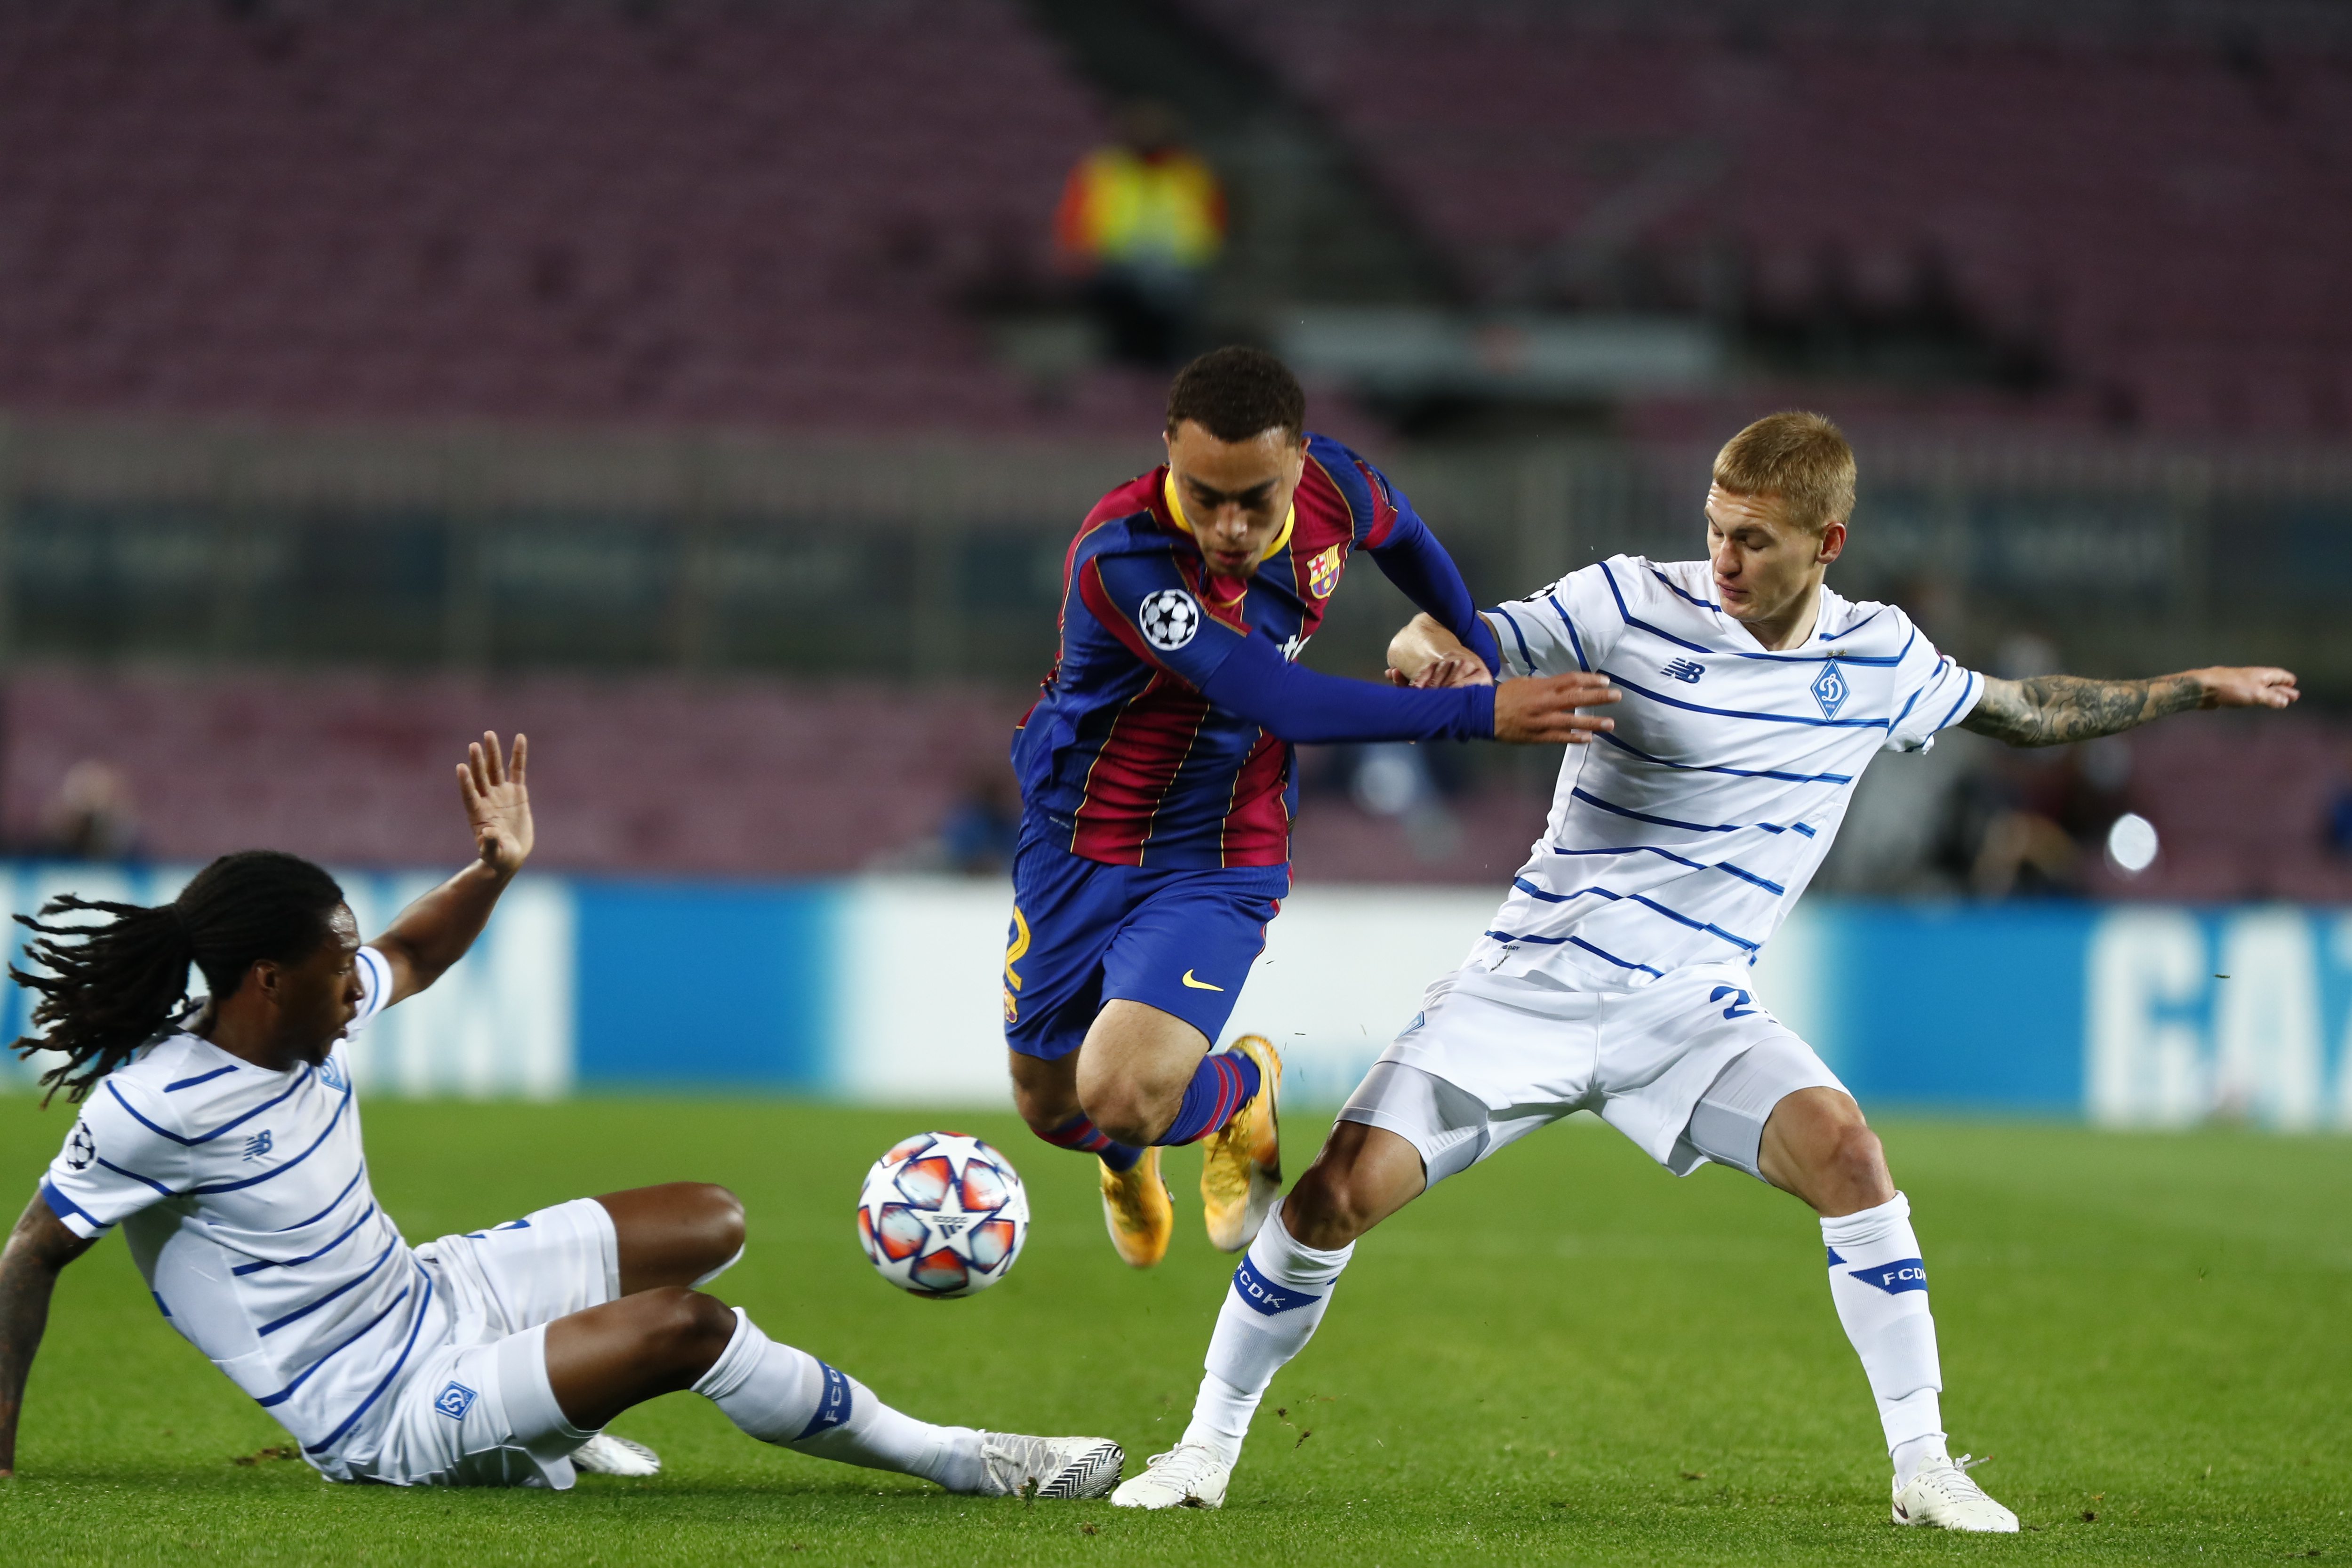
column 1157, row 788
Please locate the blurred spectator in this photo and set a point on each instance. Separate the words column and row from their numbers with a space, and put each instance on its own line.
column 94, row 815
column 2024, row 655
column 1395, row 780
column 984, row 826
column 1996, row 846
column 1141, row 221
column 2034, row 822
column 2339, row 822
column 977, row 834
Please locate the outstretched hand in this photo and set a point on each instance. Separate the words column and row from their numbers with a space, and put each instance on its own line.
column 498, row 804
column 1543, row 709
column 1462, row 668
column 2255, row 686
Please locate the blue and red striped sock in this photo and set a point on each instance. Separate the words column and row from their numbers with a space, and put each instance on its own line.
column 1219, row 1084
column 1079, row 1133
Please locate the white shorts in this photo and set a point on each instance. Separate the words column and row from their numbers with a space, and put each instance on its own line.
column 478, row 1409
column 1688, row 1067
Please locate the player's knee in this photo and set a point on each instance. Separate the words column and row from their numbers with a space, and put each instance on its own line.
column 1329, row 1208
column 1122, row 1111
column 684, row 1327
column 1045, row 1090
column 723, row 1220
column 1043, row 1112
column 1851, row 1165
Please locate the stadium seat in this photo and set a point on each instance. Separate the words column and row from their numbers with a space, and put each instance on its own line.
column 2131, row 193
column 699, row 216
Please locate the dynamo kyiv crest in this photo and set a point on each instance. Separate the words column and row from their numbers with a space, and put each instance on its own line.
column 1831, row 689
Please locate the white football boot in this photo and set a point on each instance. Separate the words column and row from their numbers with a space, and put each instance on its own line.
column 606, row 1455
column 1942, row 1494
column 1061, row 1468
column 1189, row 1475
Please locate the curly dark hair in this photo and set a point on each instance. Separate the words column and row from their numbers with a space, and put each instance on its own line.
column 1236, row 393
column 114, row 986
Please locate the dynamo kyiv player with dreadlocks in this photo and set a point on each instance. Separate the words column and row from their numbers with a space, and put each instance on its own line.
column 224, row 1137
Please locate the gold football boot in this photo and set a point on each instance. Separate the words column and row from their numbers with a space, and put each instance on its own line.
column 1241, row 1163
column 1139, row 1212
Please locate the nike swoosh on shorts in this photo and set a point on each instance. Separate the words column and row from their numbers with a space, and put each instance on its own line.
column 1200, row 985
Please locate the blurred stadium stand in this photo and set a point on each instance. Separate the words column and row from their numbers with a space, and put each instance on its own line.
column 926, row 559
column 680, row 379
column 683, row 214
column 644, row 774
column 2097, row 215
column 655, row 775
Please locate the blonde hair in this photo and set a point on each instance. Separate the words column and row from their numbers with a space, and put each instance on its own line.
column 1801, row 458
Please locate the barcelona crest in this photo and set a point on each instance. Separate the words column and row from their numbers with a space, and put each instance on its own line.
column 1323, row 571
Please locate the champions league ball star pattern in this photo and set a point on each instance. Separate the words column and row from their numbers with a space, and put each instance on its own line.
column 942, row 1215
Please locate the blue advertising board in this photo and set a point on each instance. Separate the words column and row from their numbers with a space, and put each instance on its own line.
column 887, row 990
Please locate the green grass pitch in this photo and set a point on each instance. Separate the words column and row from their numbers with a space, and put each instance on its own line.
column 1566, row 1355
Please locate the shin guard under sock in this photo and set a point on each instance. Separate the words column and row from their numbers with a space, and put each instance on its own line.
column 790, row 1398
column 1219, row 1085
column 1278, row 1296
column 1879, row 1284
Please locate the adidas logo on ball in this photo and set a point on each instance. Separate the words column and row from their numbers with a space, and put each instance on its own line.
column 942, row 1215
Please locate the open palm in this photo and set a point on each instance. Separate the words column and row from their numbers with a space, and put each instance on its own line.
column 497, row 803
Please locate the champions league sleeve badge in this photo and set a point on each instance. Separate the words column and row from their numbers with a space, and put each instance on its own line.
column 1170, row 618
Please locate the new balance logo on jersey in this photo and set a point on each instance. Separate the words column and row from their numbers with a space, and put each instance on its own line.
column 1830, row 690
column 455, row 1401
column 1686, row 670
column 1903, row 1274
column 258, row 1145
column 1261, row 1295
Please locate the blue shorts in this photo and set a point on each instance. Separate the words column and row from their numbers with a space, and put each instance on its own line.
column 1084, row 933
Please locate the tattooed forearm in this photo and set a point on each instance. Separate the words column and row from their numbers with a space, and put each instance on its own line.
column 2050, row 709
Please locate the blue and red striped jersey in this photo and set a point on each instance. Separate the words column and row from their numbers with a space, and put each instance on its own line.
column 1121, row 759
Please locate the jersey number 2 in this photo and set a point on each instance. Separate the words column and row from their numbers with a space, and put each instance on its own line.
column 1739, row 1007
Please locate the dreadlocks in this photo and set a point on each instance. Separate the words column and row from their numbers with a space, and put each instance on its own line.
column 119, row 983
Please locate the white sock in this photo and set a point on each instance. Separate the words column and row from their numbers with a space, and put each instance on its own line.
column 1279, row 1294
column 788, row 1397
column 1880, row 1288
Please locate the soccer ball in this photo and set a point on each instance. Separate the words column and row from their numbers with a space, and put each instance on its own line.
column 942, row 1215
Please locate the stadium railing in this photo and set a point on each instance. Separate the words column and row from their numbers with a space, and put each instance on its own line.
column 923, row 559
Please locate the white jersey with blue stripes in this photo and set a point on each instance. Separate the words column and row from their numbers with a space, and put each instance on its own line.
column 1685, row 837
column 244, row 1196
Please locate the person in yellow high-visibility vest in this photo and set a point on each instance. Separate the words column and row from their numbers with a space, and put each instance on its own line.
column 1142, row 221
